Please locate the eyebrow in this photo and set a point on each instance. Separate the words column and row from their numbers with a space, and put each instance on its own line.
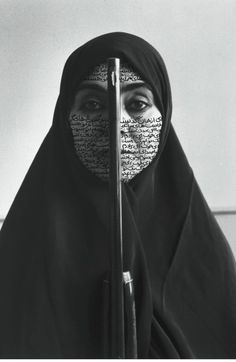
column 127, row 87
column 136, row 85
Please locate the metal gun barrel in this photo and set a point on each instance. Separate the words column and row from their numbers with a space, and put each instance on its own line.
column 117, row 292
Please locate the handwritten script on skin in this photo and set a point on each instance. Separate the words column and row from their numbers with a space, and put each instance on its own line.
column 140, row 136
column 139, row 144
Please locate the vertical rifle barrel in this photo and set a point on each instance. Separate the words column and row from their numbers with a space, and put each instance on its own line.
column 117, row 297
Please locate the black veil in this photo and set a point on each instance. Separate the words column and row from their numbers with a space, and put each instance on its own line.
column 54, row 243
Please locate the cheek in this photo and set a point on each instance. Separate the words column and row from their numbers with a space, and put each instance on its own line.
column 149, row 132
column 88, row 130
column 81, row 127
column 153, row 113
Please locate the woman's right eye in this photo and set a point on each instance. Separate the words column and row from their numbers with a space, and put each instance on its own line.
column 92, row 106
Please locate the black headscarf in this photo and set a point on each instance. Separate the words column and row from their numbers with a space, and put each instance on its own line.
column 54, row 247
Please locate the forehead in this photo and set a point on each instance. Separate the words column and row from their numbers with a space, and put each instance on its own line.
column 127, row 73
column 130, row 80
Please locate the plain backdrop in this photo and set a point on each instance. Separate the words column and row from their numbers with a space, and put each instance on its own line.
column 197, row 39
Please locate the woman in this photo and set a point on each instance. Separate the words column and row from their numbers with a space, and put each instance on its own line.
column 54, row 249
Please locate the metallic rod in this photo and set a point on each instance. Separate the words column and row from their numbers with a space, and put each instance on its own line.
column 131, row 348
column 117, row 293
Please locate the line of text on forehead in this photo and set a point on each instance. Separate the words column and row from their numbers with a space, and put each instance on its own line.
column 125, row 87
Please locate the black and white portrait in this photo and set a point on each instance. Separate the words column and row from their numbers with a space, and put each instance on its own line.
column 117, row 187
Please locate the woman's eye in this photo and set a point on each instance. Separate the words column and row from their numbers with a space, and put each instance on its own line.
column 136, row 106
column 92, row 106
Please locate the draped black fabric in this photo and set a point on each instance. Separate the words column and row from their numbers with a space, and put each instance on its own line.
column 55, row 248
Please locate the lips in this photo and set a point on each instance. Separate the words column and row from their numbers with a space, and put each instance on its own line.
column 105, row 151
column 127, row 152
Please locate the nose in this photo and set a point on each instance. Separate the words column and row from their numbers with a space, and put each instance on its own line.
column 123, row 129
column 124, row 124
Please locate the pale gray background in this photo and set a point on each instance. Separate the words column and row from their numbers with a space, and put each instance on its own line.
column 197, row 39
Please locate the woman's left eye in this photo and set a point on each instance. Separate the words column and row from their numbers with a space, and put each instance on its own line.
column 136, row 106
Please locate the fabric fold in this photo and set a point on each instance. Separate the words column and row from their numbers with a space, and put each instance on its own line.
column 55, row 243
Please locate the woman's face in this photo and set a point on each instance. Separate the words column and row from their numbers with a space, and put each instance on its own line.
column 140, row 123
